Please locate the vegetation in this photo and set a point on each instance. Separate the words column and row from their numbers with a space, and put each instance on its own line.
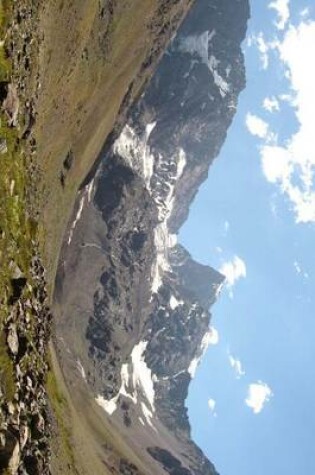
column 16, row 230
column 6, row 371
column 60, row 409
column 5, row 15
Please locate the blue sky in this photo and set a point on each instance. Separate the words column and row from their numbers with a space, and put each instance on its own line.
column 251, row 404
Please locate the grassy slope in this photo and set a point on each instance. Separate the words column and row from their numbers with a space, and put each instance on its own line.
column 83, row 83
column 87, row 64
column 16, row 229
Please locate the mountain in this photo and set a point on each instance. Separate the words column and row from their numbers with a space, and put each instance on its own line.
column 93, row 59
column 69, row 71
column 131, row 305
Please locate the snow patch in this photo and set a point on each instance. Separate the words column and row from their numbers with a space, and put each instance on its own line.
column 141, row 421
column 81, row 369
column 193, row 366
column 163, row 240
column 137, row 384
column 108, row 406
column 174, row 303
column 76, row 219
column 211, row 337
column 218, row 79
column 164, row 191
column 149, row 128
column 147, row 415
column 86, row 194
column 199, row 45
column 141, row 374
column 135, row 151
column 181, row 163
column 90, row 189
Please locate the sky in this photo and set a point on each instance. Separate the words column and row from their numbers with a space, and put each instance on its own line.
column 252, row 402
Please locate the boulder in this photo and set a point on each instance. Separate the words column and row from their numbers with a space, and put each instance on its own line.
column 24, row 435
column 11, row 105
column 13, row 340
column 3, row 146
column 16, row 272
column 15, row 459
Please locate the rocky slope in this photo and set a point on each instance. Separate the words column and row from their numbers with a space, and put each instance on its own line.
column 132, row 305
column 94, row 59
column 68, row 72
column 25, row 318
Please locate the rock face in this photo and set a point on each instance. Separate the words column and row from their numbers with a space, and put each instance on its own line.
column 139, row 303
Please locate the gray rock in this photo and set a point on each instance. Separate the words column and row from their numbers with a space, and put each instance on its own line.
column 16, row 272
column 13, row 340
column 24, row 434
column 15, row 459
column 11, row 408
column 3, row 146
column 11, row 105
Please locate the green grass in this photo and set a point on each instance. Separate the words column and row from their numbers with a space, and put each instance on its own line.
column 5, row 67
column 16, row 230
column 5, row 14
column 18, row 233
column 61, row 412
column 6, row 370
column 15, row 239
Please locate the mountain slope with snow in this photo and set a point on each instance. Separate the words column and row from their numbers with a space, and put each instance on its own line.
column 132, row 305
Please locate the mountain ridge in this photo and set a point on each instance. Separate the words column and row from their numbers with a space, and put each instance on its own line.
column 141, row 313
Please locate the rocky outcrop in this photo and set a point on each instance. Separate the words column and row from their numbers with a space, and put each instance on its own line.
column 140, row 302
column 25, row 319
column 24, row 415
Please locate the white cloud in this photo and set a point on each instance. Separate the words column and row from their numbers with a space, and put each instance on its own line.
column 271, row 104
column 289, row 98
column 237, row 366
column 258, row 395
column 263, row 48
column 233, row 271
column 297, row 267
column 291, row 165
column 283, row 12
column 299, row 270
column 275, row 163
column 257, row 126
column 212, row 405
column 305, row 12
column 212, row 337
column 295, row 51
